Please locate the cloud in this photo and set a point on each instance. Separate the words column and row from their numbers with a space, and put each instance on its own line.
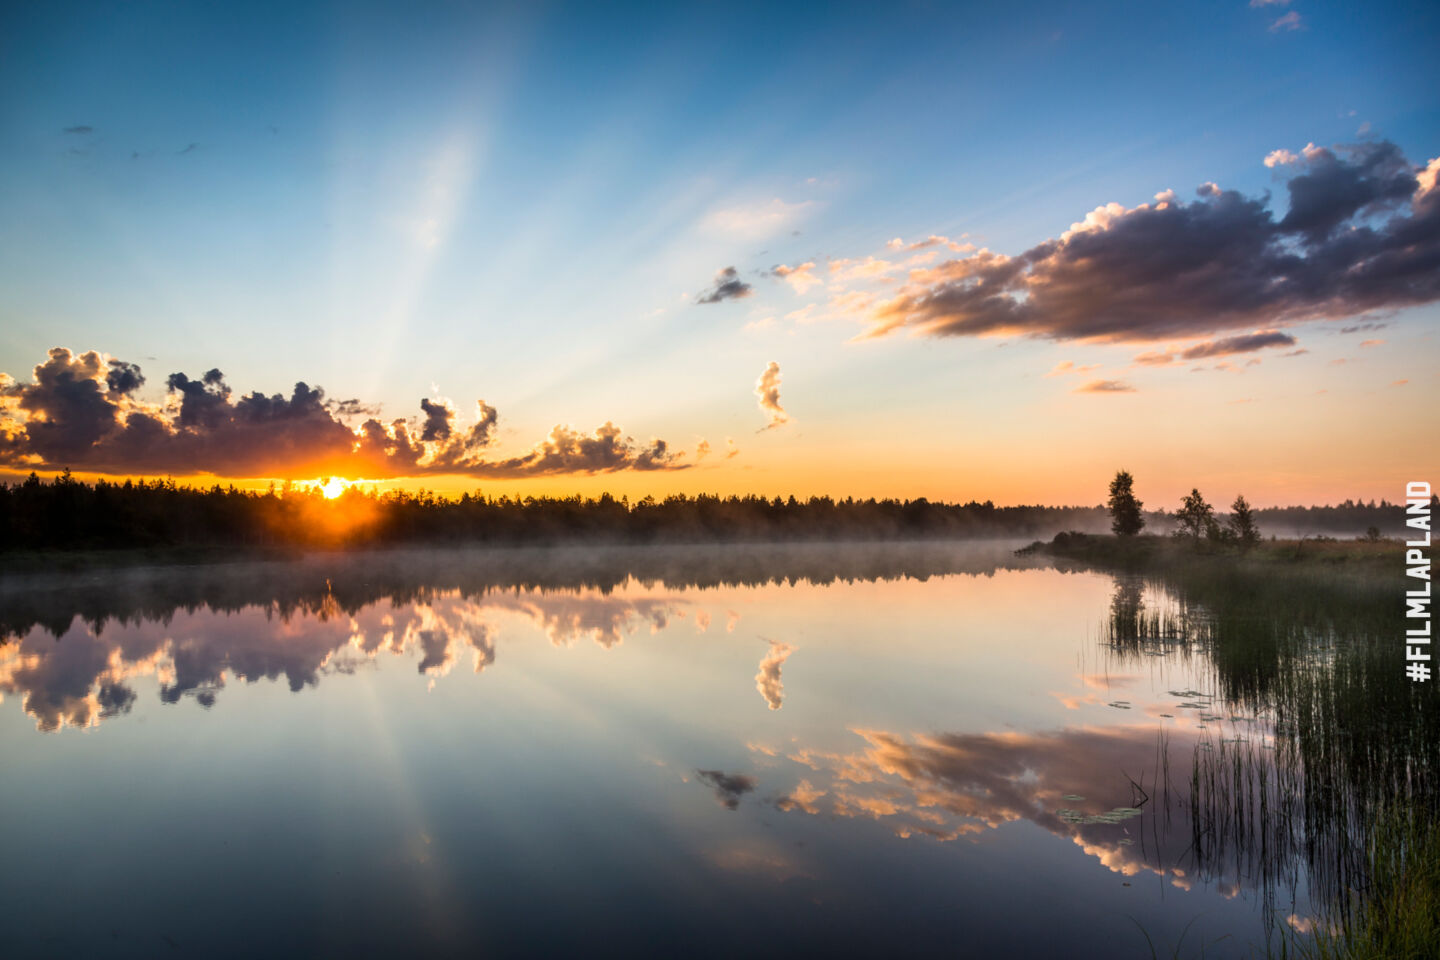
column 934, row 240
column 81, row 411
column 1105, row 386
column 1065, row 366
column 728, row 286
column 756, row 220
column 728, row 787
column 842, row 271
column 566, row 617
column 567, row 450
column 1244, row 343
column 767, row 681
column 1269, row 3
column 352, row 408
column 767, row 390
column 1291, row 21
column 802, row 798
column 1371, row 343
column 1361, row 233
column 81, row 130
column 946, row 785
column 437, row 419
column 801, row 277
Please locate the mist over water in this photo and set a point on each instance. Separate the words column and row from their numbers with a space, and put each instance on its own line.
column 702, row 749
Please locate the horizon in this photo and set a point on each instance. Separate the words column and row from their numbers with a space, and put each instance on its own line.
column 333, row 487
column 557, row 251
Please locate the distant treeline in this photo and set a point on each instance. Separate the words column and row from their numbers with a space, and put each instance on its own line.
column 66, row 514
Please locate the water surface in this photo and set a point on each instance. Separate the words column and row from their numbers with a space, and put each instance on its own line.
column 712, row 751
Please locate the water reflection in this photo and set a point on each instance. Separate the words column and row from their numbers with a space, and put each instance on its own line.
column 70, row 645
column 767, row 681
column 82, row 676
column 1218, row 744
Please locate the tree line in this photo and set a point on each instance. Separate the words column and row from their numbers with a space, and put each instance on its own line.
column 1196, row 517
column 67, row 514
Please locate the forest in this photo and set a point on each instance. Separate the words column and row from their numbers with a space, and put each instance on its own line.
column 66, row 514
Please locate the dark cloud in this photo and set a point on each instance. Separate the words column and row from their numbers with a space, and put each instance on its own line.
column 1362, row 233
column 437, row 420
column 728, row 787
column 80, row 130
column 1362, row 327
column 1241, row 344
column 1224, row 347
column 1371, row 179
column 81, row 411
column 189, row 148
column 123, row 378
column 352, row 408
column 114, row 699
column 461, row 448
column 567, row 450
column 728, row 286
column 434, row 651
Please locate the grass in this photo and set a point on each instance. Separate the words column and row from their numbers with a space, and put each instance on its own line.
column 1397, row 915
column 1360, row 561
column 1305, row 633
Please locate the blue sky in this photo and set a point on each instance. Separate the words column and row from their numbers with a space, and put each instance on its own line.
column 522, row 203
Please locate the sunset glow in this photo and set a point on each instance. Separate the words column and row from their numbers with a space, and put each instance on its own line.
column 557, row 268
column 530, row 479
column 333, row 487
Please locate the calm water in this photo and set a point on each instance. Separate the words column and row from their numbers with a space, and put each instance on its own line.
column 708, row 752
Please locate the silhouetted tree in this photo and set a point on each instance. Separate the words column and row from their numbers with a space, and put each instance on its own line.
column 1194, row 515
column 1242, row 521
column 1126, row 518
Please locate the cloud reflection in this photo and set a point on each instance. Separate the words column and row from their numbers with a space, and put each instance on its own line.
column 81, row 675
column 767, row 681
column 1074, row 782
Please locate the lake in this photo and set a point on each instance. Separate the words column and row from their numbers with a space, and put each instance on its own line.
column 704, row 751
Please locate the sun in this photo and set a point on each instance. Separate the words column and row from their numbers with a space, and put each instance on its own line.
column 333, row 487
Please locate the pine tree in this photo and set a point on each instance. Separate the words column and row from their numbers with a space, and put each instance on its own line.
column 1125, row 516
column 1242, row 521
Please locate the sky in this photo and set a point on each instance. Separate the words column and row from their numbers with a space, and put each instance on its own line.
column 989, row 251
